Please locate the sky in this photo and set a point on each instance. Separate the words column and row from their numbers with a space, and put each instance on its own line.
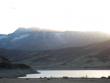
column 78, row 15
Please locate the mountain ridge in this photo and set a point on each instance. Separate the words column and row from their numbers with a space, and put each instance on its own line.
column 36, row 39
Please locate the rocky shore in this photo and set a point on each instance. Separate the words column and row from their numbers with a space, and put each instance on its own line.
column 14, row 73
column 12, row 70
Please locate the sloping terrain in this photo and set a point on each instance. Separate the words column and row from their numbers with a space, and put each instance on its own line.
column 89, row 57
column 96, row 56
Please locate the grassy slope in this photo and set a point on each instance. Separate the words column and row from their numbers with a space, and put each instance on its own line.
column 95, row 56
column 90, row 57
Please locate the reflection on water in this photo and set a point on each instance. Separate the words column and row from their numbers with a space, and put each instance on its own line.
column 70, row 73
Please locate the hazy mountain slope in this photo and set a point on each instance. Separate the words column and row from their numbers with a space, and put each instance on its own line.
column 36, row 39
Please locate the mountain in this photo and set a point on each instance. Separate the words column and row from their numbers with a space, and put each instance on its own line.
column 38, row 39
column 44, row 49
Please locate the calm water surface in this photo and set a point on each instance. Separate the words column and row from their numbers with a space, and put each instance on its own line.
column 70, row 73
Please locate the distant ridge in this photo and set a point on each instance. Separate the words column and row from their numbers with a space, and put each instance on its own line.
column 40, row 39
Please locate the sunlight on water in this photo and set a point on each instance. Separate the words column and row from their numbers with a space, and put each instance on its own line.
column 70, row 73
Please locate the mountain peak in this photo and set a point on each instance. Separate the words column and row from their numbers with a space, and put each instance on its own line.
column 22, row 30
column 33, row 29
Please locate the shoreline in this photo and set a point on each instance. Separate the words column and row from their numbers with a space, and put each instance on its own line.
column 68, row 68
column 14, row 73
column 54, row 80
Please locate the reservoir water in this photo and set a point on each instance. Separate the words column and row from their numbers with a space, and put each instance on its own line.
column 70, row 73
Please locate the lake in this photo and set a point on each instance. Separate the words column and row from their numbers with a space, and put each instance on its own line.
column 70, row 73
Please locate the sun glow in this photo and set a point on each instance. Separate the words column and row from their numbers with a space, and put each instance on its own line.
column 79, row 15
column 83, row 29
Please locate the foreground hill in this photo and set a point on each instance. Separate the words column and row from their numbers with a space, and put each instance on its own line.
column 95, row 56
